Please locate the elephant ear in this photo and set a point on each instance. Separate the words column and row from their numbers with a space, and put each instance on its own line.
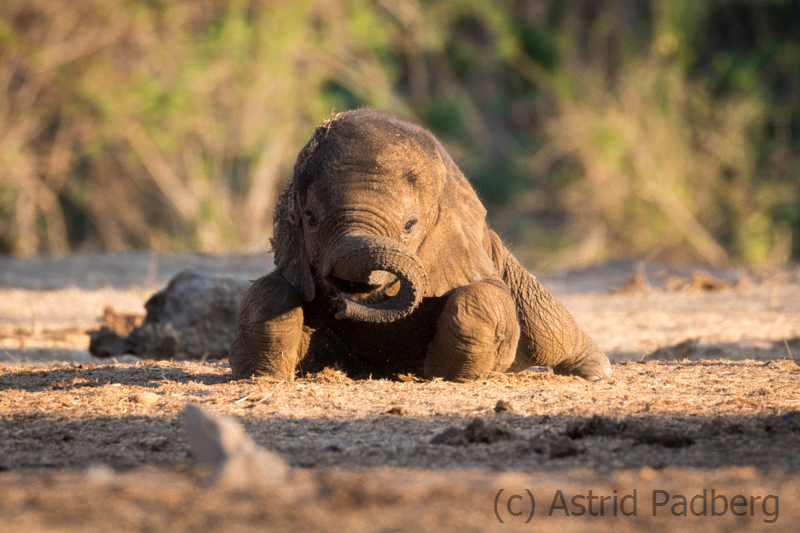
column 288, row 244
column 453, row 251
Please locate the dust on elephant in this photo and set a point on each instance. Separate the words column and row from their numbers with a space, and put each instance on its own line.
column 385, row 266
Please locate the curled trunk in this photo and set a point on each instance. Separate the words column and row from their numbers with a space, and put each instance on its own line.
column 351, row 269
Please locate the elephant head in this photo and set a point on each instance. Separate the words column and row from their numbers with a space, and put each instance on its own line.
column 379, row 213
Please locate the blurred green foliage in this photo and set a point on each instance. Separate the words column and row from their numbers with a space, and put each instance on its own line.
column 591, row 129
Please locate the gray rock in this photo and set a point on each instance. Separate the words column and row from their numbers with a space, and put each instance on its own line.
column 221, row 442
column 193, row 317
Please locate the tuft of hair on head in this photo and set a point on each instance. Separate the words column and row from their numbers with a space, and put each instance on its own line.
column 320, row 133
column 329, row 121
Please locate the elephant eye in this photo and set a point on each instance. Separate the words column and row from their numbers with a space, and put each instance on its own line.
column 311, row 218
column 410, row 225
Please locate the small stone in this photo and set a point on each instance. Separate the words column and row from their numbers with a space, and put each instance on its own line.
column 475, row 432
column 648, row 473
column 222, row 443
column 145, row 397
column 502, row 406
column 561, row 448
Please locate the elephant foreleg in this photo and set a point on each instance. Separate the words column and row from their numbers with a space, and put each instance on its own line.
column 477, row 333
column 549, row 334
column 270, row 340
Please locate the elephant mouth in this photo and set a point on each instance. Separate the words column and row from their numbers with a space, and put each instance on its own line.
column 378, row 288
column 376, row 278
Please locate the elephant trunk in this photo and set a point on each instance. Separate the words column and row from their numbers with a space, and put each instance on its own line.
column 352, row 267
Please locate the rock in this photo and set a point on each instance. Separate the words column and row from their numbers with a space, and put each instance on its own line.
column 555, row 446
column 99, row 473
column 475, row 432
column 503, row 406
column 193, row 317
column 222, row 443
column 560, row 447
column 595, row 426
column 145, row 397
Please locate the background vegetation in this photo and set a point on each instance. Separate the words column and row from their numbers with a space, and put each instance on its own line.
column 591, row 129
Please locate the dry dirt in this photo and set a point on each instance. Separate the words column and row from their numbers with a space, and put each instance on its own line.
column 98, row 445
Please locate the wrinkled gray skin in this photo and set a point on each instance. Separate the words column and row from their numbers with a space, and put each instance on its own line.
column 193, row 317
column 385, row 265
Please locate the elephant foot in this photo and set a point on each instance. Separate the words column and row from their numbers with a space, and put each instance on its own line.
column 256, row 353
column 477, row 333
column 270, row 339
column 592, row 364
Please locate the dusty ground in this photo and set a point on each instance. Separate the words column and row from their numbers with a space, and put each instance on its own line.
column 84, row 447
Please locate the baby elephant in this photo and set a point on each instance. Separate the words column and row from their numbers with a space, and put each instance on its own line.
column 385, row 266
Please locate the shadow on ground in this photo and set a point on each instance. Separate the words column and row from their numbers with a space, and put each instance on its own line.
column 501, row 442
